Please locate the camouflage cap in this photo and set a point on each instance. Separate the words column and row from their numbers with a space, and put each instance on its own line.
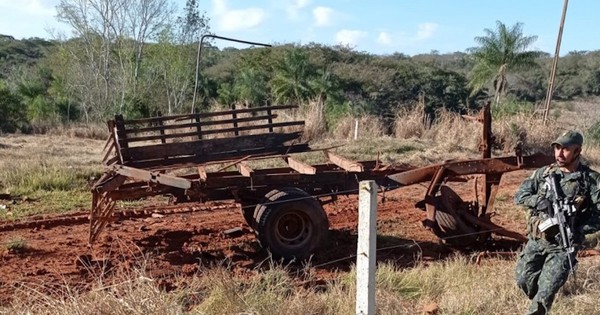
column 569, row 138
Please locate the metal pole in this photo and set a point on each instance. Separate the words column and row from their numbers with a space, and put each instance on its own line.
column 200, row 43
column 555, row 63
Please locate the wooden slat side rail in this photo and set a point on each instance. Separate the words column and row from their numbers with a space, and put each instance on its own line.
column 300, row 167
column 193, row 160
column 348, row 165
column 215, row 131
column 197, row 123
column 153, row 177
column 212, row 146
column 206, row 115
column 121, row 138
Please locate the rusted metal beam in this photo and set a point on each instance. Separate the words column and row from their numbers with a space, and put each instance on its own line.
column 348, row 165
column 476, row 166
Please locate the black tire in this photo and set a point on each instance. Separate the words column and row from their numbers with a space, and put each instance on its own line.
column 249, row 208
column 291, row 224
column 248, row 213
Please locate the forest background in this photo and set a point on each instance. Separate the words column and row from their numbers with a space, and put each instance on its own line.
column 138, row 58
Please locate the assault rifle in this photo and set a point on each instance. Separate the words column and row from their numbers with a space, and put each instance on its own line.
column 562, row 217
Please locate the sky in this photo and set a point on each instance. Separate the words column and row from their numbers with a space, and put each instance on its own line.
column 379, row 27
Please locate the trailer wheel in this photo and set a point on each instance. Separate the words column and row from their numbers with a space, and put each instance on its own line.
column 450, row 233
column 453, row 230
column 291, row 223
column 248, row 213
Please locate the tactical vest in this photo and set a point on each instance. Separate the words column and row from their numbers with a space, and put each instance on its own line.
column 575, row 187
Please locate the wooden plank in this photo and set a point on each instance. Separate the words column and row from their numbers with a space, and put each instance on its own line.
column 244, row 169
column 197, row 123
column 206, row 147
column 236, row 130
column 202, row 173
column 111, row 161
column 116, row 143
column 193, row 160
column 121, row 137
column 348, row 165
column 110, row 148
column 109, row 142
column 154, row 177
column 110, row 184
column 300, row 167
column 206, row 115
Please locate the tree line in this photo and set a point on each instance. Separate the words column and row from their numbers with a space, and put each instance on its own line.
column 138, row 58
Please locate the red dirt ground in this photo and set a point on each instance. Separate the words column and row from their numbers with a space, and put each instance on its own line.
column 181, row 244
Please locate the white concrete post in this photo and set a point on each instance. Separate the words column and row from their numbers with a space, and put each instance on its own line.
column 365, row 252
column 355, row 129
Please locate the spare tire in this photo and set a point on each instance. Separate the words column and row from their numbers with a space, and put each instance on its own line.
column 291, row 224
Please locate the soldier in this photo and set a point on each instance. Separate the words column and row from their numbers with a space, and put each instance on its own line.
column 543, row 266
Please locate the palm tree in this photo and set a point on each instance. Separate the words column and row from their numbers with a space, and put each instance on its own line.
column 290, row 83
column 501, row 51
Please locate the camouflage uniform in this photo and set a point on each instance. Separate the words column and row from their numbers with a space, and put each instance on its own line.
column 543, row 266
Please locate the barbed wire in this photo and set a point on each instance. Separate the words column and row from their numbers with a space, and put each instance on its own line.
column 415, row 243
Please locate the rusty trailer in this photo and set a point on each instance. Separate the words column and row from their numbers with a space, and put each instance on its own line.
column 191, row 157
column 173, row 155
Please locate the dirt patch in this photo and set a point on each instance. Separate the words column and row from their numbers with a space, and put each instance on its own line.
column 181, row 244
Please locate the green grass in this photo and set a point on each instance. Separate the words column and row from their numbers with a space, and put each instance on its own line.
column 16, row 244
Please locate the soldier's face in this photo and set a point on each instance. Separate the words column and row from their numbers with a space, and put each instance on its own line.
column 566, row 156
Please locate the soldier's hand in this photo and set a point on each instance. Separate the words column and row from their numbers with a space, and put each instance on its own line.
column 543, row 204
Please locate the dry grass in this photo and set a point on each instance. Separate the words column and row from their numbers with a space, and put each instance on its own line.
column 455, row 286
column 51, row 168
column 369, row 127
